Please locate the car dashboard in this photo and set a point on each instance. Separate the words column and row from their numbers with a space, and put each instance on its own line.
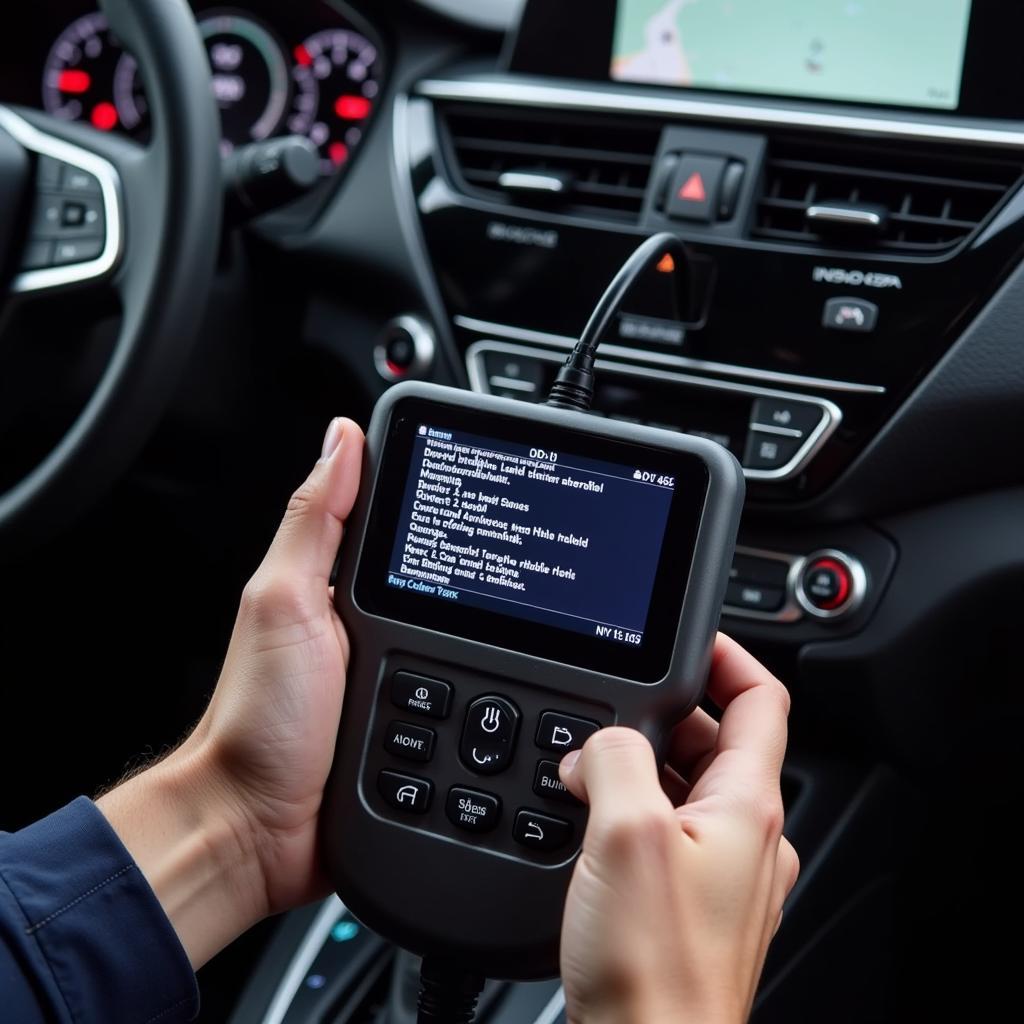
column 851, row 335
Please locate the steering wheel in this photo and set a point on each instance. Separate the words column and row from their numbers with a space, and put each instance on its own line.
column 149, row 220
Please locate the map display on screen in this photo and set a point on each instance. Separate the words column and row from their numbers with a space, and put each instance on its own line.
column 898, row 52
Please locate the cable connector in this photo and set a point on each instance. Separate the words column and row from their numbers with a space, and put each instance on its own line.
column 448, row 994
column 574, row 385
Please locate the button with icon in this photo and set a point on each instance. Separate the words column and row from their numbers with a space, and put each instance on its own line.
column 564, row 732
column 421, row 694
column 489, row 734
column 540, row 831
column 405, row 792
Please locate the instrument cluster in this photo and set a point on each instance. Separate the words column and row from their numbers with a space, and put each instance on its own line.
column 277, row 69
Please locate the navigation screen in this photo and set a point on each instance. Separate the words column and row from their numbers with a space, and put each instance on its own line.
column 901, row 52
column 540, row 535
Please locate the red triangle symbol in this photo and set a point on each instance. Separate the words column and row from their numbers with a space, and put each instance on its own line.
column 693, row 190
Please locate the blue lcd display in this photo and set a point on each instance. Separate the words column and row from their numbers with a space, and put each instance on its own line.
column 539, row 535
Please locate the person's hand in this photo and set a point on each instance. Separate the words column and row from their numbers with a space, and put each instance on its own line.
column 225, row 827
column 673, row 902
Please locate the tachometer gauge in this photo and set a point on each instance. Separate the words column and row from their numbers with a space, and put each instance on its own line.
column 336, row 85
column 79, row 74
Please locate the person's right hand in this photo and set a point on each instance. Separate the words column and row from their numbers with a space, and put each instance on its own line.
column 671, row 908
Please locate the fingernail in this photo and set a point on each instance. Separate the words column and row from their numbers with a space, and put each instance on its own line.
column 570, row 759
column 332, row 438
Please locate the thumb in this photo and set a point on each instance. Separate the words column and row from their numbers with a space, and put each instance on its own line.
column 617, row 775
column 308, row 538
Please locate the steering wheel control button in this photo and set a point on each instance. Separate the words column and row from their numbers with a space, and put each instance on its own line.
column 780, row 414
column 405, row 792
column 421, row 694
column 37, row 255
column 540, row 831
column 564, row 732
column 696, row 186
column 489, row 735
column 847, row 314
column 754, row 597
column 78, row 181
column 412, row 742
column 770, row 451
column 547, row 783
column 49, row 173
column 79, row 250
column 472, row 810
column 831, row 584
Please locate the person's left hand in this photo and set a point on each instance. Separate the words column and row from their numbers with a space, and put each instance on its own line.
column 225, row 828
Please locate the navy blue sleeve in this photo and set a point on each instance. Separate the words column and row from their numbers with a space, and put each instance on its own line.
column 82, row 935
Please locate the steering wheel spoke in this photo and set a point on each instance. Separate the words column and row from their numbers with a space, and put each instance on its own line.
column 76, row 194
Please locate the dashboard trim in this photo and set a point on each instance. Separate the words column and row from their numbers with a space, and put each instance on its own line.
column 602, row 99
column 831, row 418
column 665, row 359
column 39, row 142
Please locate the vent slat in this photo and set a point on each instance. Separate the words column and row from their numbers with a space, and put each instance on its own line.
column 935, row 201
column 606, row 162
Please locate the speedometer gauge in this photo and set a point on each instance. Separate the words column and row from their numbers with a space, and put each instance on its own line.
column 79, row 74
column 336, row 85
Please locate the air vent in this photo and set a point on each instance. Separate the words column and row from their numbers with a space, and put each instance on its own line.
column 594, row 167
column 930, row 202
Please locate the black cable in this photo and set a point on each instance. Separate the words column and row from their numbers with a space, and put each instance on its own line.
column 448, row 994
column 574, row 386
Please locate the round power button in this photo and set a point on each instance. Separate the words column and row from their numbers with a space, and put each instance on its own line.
column 831, row 584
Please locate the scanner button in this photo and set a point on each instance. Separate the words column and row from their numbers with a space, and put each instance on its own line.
column 564, row 732
column 421, row 694
column 489, row 735
column 412, row 742
column 540, row 831
column 472, row 810
column 547, row 783
column 405, row 792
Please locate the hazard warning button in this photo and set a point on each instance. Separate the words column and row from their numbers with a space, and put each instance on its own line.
column 696, row 188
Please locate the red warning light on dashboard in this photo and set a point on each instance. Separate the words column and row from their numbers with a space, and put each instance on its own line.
column 73, row 80
column 302, row 56
column 693, row 190
column 666, row 264
column 352, row 108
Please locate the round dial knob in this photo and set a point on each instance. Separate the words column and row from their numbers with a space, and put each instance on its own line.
column 831, row 584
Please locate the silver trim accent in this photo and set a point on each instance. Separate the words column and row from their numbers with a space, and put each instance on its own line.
column 830, row 420
column 110, row 188
column 511, row 384
column 790, row 611
column 423, row 344
column 845, row 215
column 764, row 428
column 667, row 359
column 554, row 1007
column 858, row 584
column 605, row 99
column 520, row 181
column 311, row 944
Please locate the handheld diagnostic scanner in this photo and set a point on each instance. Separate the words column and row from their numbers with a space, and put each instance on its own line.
column 513, row 578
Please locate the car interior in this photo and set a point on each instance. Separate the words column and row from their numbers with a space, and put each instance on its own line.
column 441, row 191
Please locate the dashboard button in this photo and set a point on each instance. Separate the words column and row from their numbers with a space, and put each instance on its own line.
column 489, row 735
column 421, row 694
column 827, row 584
column 547, row 783
column 564, row 732
column 405, row 792
column 751, row 569
column 472, row 810
column 770, row 451
column 847, row 314
column 540, row 831
column 412, row 742
column 695, row 189
column 783, row 414
column 754, row 597
column 77, row 180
